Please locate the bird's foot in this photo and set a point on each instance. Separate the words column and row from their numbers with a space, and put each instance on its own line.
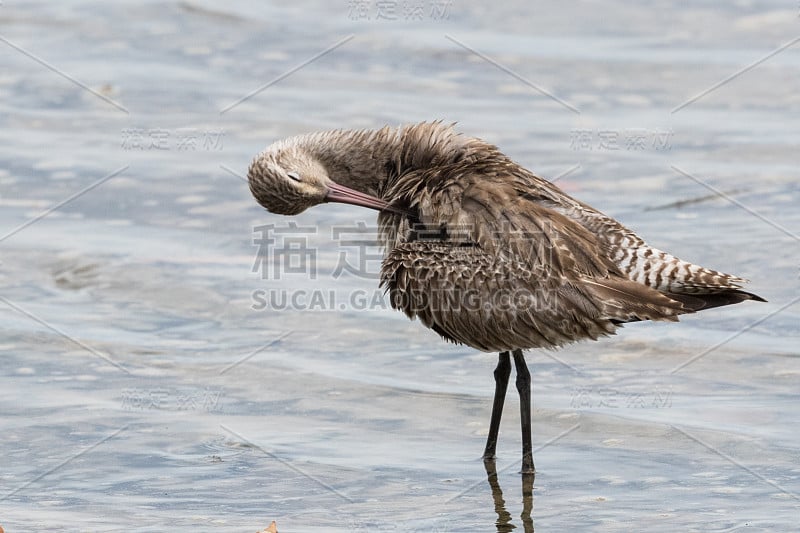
column 527, row 465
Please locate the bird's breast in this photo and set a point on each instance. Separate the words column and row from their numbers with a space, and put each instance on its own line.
column 491, row 302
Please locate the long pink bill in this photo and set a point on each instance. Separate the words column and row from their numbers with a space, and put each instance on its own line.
column 345, row 195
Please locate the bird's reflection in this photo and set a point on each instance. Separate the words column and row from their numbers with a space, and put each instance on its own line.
column 504, row 524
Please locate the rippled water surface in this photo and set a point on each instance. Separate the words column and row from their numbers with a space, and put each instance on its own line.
column 150, row 384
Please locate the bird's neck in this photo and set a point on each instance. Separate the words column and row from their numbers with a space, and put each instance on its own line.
column 370, row 161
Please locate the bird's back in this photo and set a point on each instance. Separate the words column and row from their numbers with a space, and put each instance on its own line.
column 479, row 225
column 642, row 263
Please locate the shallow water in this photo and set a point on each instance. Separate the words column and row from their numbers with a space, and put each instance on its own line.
column 144, row 386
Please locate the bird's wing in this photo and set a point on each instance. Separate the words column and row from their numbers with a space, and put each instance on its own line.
column 537, row 247
column 497, row 303
column 490, row 208
column 636, row 259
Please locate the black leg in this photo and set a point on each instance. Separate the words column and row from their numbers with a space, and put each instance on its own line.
column 524, row 389
column 501, row 375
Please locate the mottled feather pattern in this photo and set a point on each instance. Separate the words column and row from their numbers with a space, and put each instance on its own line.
column 493, row 302
column 467, row 219
column 484, row 252
column 510, row 213
column 470, row 297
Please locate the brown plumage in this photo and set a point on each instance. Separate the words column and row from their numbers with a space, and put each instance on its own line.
column 483, row 251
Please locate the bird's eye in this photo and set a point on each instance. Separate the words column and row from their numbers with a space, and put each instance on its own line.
column 293, row 175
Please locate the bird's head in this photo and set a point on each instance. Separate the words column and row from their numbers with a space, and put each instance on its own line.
column 287, row 180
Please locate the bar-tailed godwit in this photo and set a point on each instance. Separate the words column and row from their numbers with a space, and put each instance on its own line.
column 483, row 251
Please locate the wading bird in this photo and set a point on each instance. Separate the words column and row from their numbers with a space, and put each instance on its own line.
column 484, row 252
